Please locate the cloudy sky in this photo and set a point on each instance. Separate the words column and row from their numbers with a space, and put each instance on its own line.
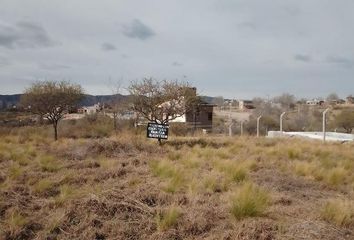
column 234, row 48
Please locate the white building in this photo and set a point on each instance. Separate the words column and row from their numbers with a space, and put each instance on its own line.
column 91, row 109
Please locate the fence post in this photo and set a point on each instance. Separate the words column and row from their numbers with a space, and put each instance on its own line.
column 324, row 123
column 281, row 121
column 258, row 120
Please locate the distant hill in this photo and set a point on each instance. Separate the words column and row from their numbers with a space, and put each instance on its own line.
column 90, row 100
column 207, row 99
column 8, row 101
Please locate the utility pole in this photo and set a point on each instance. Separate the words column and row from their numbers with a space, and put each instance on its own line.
column 258, row 120
column 281, row 121
column 324, row 123
column 241, row 128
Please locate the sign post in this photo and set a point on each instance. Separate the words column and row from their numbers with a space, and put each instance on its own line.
column 158, row 131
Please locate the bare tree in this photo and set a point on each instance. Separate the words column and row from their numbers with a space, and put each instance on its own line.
column 52, row 99
column 161, row 101
column 332, row 97
column 119, row 103
column 286, row 100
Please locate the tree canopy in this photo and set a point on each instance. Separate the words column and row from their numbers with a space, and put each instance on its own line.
column 52, row 99
column 345, row 119
column 161, row 101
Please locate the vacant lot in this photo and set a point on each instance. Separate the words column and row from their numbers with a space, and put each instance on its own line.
column 128, row 187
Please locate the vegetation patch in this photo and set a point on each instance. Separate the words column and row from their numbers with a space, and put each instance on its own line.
column 339, row 212
column 168, row 218
column 249, row 201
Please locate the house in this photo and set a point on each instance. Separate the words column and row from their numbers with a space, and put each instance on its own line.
column 336, row 102
column 315, row 102
column 90, row 109
column 200, row 117
column 349, row 100
column 245, row 104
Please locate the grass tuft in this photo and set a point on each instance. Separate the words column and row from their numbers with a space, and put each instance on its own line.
column 293, row 154
column 339, row 212
column 175, row 182
column 168, row 218
column 48, row 163
column 43, row 186
column 66, row 193
column 15, row 221
column 336, row 176
column 15, row 171
column 249, row 201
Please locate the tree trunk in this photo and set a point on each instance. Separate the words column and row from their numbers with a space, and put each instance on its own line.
column 55, row 126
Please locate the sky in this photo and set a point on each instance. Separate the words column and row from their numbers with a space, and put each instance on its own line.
column 232, row 48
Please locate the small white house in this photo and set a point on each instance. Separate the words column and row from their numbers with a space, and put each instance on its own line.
column 314, row 102
column 91, row 109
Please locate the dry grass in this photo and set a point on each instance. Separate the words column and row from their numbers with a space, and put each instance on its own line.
column 43, row 186
column 339, row 212
column 249, row 201
column 48, row 163
column 168, row 218
column 15, row 221
column 127, row 187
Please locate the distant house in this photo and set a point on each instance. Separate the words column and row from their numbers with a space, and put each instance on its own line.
column 315, row 102
column 245, row 104
column 350, row 100
column 336, row 102
column 90, row 109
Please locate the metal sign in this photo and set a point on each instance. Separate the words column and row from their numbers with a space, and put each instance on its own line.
column 159, row 131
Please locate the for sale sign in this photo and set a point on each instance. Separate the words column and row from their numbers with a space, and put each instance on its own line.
column 159, row 131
